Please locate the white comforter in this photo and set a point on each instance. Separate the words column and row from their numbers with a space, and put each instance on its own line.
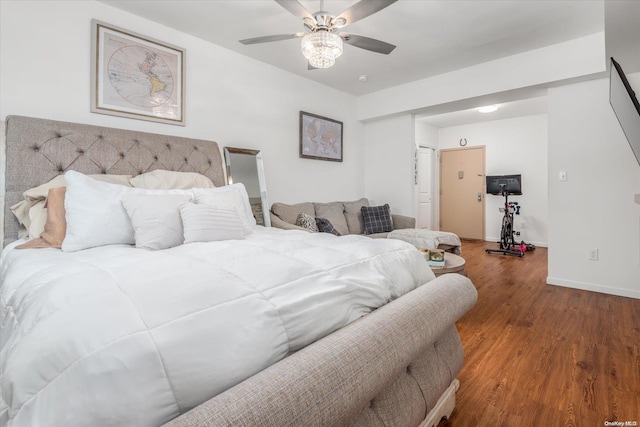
column 122, row 336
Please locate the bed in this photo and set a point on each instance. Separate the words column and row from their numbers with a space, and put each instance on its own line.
column 277, row 328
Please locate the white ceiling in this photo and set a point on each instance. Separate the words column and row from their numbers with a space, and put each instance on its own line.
column 507, row 110
column 432, row 36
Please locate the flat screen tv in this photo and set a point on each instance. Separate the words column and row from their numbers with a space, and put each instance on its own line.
column 626, row 106
column 498, row 184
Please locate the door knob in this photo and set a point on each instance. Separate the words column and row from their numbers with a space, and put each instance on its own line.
column 479, row 197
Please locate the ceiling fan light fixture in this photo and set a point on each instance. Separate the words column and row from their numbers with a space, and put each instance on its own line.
column 310, row 23
column 339, row 22
column 321, row 48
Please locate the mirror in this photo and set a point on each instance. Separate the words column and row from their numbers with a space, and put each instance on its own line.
column 245, row 166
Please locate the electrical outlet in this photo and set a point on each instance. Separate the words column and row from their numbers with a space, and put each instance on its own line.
column 562, row 176
column 592, row 254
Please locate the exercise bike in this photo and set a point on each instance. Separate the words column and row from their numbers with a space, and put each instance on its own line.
column 508, row 246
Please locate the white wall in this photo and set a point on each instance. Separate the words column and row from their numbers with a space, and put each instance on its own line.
column 495, row 79
column 427, row 136
column 388, row 152
column 513, row 146
column 595, row 207
column 232, row 99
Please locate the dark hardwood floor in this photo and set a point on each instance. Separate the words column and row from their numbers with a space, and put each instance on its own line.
column 541, row 355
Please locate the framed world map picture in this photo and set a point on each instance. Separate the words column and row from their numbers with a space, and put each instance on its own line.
column 320, row 137
column 135, row 76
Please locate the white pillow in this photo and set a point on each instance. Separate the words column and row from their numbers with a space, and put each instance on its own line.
column 156, row 219
column 231, row 197
column 206, row 223
column 168, row 180
column 31, row 212
column 95, row 215
column 37, row 219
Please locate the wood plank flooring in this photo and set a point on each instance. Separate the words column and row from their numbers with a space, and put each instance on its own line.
column 541, row 355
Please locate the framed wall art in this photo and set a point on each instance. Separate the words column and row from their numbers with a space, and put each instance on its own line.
column 320, row 137
column 136, row 76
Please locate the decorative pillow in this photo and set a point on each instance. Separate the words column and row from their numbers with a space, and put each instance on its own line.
column 56, row 226
column 324, row 226
column 207, row 223
column 156, row 219
column 95, row 215
column 31, row 212
column 307, row 222
column 231, row 197
column 377, row 219
column 169, row 180
column 32, row 197
column 37, row 219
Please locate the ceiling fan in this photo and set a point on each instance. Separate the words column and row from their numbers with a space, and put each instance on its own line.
column 322, row 42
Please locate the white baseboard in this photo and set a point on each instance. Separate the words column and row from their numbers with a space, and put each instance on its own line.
column 621, row 292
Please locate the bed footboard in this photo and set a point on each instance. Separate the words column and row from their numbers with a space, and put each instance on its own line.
column 390, row 367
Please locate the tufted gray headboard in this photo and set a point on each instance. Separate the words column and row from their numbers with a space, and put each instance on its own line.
column 39, row 149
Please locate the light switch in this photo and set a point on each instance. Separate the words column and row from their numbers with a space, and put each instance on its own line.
column 562, row 176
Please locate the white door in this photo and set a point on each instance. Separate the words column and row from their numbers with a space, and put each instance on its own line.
column 425, row 187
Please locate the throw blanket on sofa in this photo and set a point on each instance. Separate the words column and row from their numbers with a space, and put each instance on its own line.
column 429, row 239
column 121, row 336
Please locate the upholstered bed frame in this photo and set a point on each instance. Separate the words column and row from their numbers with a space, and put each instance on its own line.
column 394, row 367
column 38, row 150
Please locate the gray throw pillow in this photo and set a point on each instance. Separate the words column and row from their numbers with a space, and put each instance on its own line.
column 324, row 226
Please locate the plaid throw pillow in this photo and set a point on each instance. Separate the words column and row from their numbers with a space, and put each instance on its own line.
column 325, row 226
column 377, row 219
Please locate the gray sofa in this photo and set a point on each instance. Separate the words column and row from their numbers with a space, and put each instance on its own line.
column 345, row 217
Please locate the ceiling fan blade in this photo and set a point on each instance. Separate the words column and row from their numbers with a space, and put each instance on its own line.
column 274, row 38
column 295, row 8
column 362, row 9
column 367, row 43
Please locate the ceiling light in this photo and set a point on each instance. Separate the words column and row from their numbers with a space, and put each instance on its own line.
column 363, row 78
column 321, row 48
column 488, row 109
